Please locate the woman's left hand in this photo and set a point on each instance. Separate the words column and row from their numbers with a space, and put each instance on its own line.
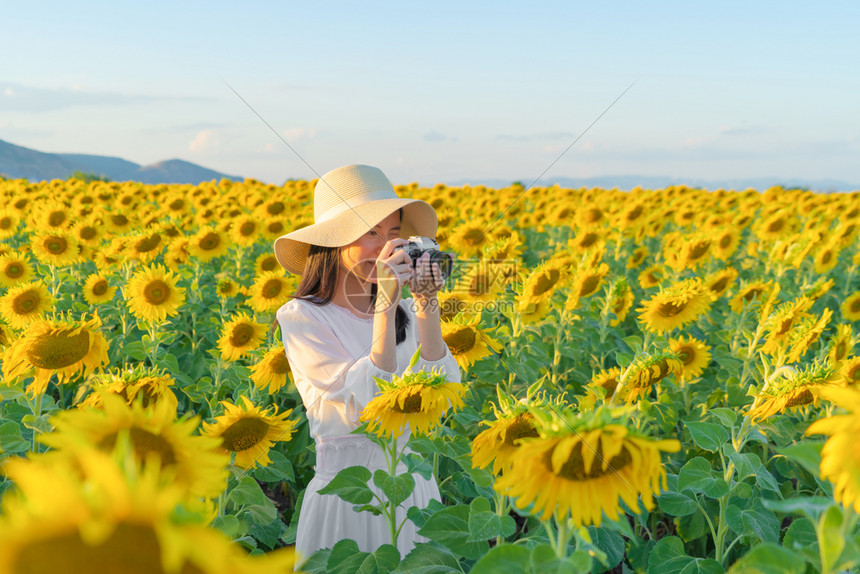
column 426, row 280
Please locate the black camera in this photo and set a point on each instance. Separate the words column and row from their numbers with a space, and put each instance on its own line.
column 418, row 246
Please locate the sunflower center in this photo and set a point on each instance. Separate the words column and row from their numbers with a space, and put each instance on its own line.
column 634, row 213
column 725, row 241
column 589, row 285
column 719, row 284
column 119, row 220
column 148, row 243
column 176, row 204
column 100, row 287
column 209, row 241
column 752, row 293
column 461, row 341
column 653, row 277
column 56, row 218
column 411, row 404
column 275, row 227
column 853, row 374
column 546, row 281
column 247, row 229
column 14, row 270
column 145, row 442
column 593, row 215
column 480, row 284
column 280, row 365
column 804, row 397
column 268, row 264
column 785, row 326
column 242, row 333
column 520, row 428
column 855, row 305
column 686, row 354
column 6, row 222
column 574, row 467
column 700, row 249
column 156, row 292
column 272, row 288
column 26, row 302
column 87, row 232
column 56, row 245
column 588, row 239
column 670, row 309
column 776, row 225
column 130, row 549
column 276, row 208
column 245, row 433
column 58, row 350
column 826, row 256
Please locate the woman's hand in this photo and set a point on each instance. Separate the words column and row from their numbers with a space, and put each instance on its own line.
column 393, row 270
column 427, row 278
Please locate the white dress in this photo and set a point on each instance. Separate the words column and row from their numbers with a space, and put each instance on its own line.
column 328, row 349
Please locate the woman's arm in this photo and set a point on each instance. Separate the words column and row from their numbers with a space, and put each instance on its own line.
column 429, row 327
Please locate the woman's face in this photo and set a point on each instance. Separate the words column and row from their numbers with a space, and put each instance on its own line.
column 360, row 255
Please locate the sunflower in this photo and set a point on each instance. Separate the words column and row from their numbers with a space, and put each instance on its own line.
column 266, row 263
column 851, row 307
column 274, row 227
column 91, row 508
column 586, row 281
column 806, row 334
column 14, row 269
column 226, row 287
column 152, row 293
column 591, row 217
column 52, row 215
column 118, row 223
column 780, row 324
column 245, row 230
column 646, row 371
column 146, row 385
column 450, row 304
column 777, row 226
column 57, row 248
column 621, row 300
column 250, row 431
column 675, row 306
column 841, row 345
column 694, row 354
column 470, row 237
column 694, row 251
column 720, row 281
column 582, row 465
column 207, row 244
column 849, row 372
column 270, row 291
column 9, row 222
column 144, row 246
column 726, row 243
column 6, row 337
column 65, row 349
column 637, row 257
column 468, row 342
column 749, row 292
column 153, row 432
column 542, row 283
column 177, row 253
column 651, row 276
column 273, row 371
column 839, row 457
column 418, row 399
column 240, row 336
column 480, row 283
column 826, row 257
column 98, row 290
column 25, row 303
column 497, row 443
column 601, row 386
column 801, row 388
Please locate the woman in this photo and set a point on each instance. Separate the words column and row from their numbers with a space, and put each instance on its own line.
column 348, row 324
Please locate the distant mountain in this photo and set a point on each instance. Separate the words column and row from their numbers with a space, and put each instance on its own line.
column 21, row 162
column 628, row 182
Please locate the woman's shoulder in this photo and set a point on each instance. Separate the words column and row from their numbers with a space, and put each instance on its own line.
column 294, row 309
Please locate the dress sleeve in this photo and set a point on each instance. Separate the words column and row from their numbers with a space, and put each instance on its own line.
column 323, row 369
column 447, row 364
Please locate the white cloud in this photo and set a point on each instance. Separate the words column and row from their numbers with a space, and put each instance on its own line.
column 204, row 141
column 9, row 92
column 299, row 134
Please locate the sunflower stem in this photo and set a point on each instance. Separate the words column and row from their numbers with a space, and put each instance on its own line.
column 37, row 412
column 153, row 340
column 563, row 537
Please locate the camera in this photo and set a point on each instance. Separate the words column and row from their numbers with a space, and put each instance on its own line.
column 418, row 246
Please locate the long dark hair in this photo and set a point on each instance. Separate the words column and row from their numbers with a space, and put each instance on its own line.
column 319, row 281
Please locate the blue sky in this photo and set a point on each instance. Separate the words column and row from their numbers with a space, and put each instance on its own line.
column 442, row 91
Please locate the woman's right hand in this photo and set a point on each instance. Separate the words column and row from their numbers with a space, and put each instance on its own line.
column 393, row 270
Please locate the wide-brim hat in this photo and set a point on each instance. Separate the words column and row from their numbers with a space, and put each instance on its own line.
column 348, row 202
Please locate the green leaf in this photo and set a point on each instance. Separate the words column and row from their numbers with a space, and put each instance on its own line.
column 611, row 543
column 417, row 464
column 676, row 503
column 428, row 559
column 11, row 440
column 746, row 464
column 350, row 484
column 801, row 534
column 544, row 560
column 229, row 525
column 40, row 423
column 807, row 454
column 508, row 558
column 754, row 520
column 830, row 537
column 484, row 524
column 420, row 515
column 698, row 476
column 450, row 528
column 669, row 557
column 727, row 416
column 809, row 506
column 769, row 558
column 708, row 436
column 280, row 468
column 317, row 562
column 250, row 500
column 134, row 350
column 396, row 488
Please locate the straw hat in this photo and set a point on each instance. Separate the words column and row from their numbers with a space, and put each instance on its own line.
column 348, row 202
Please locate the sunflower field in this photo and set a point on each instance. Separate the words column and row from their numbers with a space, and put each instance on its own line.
column 655, row 381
